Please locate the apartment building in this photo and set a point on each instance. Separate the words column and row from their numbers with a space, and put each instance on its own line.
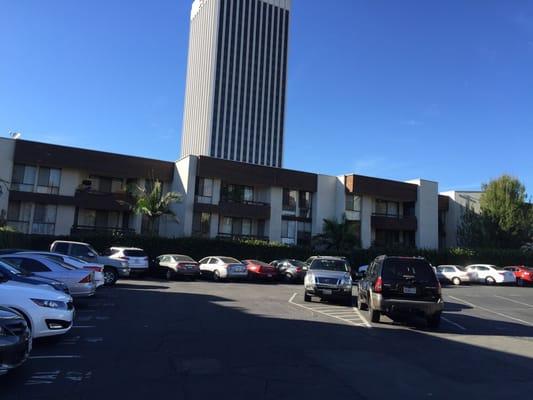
column 452, row 206
column 60, row 190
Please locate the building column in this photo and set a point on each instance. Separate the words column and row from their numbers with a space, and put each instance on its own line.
column 427, row 214
column 276, row 207
column 213, row 227
column 366, row 222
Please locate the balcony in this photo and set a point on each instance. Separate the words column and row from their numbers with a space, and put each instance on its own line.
column 95, row 200
column 394, row 222
column 80, row 229
column 231, row 236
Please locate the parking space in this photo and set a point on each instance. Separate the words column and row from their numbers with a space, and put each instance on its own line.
column 196, row 340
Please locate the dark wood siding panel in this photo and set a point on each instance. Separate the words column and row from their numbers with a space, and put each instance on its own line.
column 364, row 185
column 244, row 210
column 249, row 174
column 41, row 198
column 395, row 224
column 95, row 162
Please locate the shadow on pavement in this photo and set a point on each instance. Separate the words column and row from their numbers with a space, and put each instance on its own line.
column 163, row 344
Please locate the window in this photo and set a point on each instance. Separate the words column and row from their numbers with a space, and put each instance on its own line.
column 33, row 265
column 78, row 250
column 19, row 215
column 225, row 225
column 201, row 224
column 87, row 218
column 61, row 248
column 204, row 190
column 246, row 227
column 288, row 231
column 289, row 200
column 23, row 178
column 353, row 207
column 304, row 233
column 44, row 219
column 48, row 180
column 237, row 193
column 387, row 208
column 304, row 204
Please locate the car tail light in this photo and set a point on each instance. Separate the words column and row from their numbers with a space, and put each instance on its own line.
column 378, row 286
column 298, row 269
column 87, row 279
column 92, row 268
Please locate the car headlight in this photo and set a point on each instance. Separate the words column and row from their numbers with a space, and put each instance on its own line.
column 59, row 305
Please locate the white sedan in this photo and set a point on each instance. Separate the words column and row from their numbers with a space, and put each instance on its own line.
column 98, row 269
column 454, row 274
column 223, row 268
column 48, row 312
column 490, row 274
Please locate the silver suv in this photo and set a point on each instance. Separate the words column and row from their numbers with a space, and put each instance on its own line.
column 113, row 269
column 328, row 278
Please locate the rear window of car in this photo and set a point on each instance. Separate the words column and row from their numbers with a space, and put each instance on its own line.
column 182, row 258
column 329, row 265
column 229, row 260
column 402, row 269
column 134, row 253
column 297, row 263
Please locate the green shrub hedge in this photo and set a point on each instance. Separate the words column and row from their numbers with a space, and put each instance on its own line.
column 199, row 248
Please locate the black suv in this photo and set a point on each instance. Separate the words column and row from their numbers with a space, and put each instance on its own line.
column 401, row 286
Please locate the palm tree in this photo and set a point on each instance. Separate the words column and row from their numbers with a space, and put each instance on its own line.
column 153, row 203
column 338, row 236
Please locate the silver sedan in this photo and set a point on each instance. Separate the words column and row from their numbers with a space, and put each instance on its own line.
column 80, row 282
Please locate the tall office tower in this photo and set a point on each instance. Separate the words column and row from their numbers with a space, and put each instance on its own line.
column 236, row 80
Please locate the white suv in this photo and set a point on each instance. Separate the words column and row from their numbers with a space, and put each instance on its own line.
column 48, row 312
column 136, row 258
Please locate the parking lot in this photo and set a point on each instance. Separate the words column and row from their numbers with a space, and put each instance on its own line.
column 196, row 340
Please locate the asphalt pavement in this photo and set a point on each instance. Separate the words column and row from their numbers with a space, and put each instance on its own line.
column 198, row 340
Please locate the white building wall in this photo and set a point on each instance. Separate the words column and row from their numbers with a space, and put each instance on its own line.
column 459, row 202
column 7, row 152
column 367, row 208
column 276, row 207
column 184, row 182
column 427, row 214
column 324, row 202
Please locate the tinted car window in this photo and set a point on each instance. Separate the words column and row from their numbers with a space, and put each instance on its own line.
column 329, row 265
column 61, row 248
column 402, row 269
column 183, row 258
column 34, row 265
column 134, row 253
column 298, row 263
column 229, row 260
column 14, row 269
column 79, row 250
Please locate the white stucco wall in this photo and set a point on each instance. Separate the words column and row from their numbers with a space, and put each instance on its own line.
column 276, row 206
column 324, row 202
column 459, row 201
column 7, row 152
column 184, row 182
column 367, row 208
column 427, row 214
column 64, row 220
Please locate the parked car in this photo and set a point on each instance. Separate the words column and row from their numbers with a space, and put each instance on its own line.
column 328, row 278
column 523, row 274
column 260, row 270
column 290, row 270
column 219, row 267
column 15, row 340
column 177, row 265
column 455, row 274
column 17, row 274
column 10, row 251
column 490, row 274
column 80, row 282
column 359, row 273
column 136, row 259
column 401, row 286
column 113, row 269
column 47, row 312
column 98, row 269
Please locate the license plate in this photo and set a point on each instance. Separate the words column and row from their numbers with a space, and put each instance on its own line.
column 409, row 290
column 326, row 291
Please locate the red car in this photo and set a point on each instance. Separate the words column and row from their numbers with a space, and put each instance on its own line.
column 260, row 270
column 522, row 273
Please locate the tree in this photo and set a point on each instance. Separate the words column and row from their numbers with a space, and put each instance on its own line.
column 153, row 203
column 338, row 236
column 505, row 219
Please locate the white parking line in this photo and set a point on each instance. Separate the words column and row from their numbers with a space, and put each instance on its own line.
column 453, row 323
column 515, row 301
column 492, row 311
column 363, row 322
column 52, row 357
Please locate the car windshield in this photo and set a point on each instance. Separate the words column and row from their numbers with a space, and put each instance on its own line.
column 13, row 268
column 134, row 253
column 229, row 260
column 408, row 268
column 182, row 258
column 329, row 265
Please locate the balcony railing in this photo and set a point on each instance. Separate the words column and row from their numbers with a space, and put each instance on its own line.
column 43, row 228
column 242, row 201
column 241, row 237
column 19, row 226
column 100, row 229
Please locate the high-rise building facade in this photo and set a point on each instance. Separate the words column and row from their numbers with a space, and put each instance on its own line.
column 236, row 80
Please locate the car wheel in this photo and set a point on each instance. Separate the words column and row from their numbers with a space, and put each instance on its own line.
column 434, row 321
column 169, row 274
column 374, row 314
column 307, row 297
column 456, row 281
column 216, row 275
column 110, row 276
column 489, row 280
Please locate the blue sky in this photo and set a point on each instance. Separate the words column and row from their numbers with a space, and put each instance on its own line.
column 398, row 89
